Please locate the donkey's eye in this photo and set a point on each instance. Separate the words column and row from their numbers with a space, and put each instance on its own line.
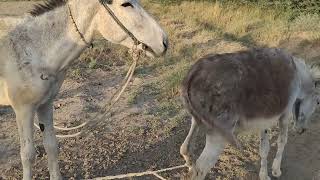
column 127, row 4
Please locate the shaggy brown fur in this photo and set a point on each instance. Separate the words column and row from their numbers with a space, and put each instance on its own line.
column 47, row 6
column 224, row 90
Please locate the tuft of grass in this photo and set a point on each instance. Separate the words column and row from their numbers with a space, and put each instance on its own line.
column 92, row 63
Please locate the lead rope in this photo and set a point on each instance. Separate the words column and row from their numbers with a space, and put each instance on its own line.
column 106, row 110
column 154, row 173
column 77, row 29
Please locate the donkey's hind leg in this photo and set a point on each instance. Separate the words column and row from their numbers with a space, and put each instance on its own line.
column 45, row 116
column 264, row 150
column 186, row 147
column 25, row 118
column 215, row 144
column 282, row 141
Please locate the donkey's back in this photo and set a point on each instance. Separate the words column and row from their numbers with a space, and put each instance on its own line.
column 247, row 85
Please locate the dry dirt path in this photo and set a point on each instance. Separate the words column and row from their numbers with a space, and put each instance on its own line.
column 130, row 143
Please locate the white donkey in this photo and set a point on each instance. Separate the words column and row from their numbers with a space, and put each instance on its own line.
column 249, row 90
column 37, row 49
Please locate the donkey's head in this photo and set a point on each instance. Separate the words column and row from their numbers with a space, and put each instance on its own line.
column 141, row 27
column 308, row 99
column 303, row 109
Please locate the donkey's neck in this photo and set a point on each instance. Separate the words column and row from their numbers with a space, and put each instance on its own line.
column 52, row 40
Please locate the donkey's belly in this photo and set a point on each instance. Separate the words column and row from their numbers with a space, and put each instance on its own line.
column 3, row 94
column 254, row 125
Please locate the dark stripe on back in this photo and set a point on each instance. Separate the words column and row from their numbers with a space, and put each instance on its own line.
column 47, row 6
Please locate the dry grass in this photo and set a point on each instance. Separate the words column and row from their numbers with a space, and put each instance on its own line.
column 195, row 29
column 198, row 28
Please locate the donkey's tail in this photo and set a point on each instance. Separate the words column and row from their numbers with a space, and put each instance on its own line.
column 185, row 91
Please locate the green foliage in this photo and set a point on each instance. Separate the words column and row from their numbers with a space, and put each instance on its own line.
column 295, row 6
column 307, row 6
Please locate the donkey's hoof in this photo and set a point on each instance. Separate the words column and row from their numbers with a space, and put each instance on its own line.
column 265, row 178
column 276, row 172
column 56, row 177
column 188, row 162
column 186, row 176
column 195, row 174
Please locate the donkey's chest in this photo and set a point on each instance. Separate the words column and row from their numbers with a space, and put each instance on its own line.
column 4, row 100
column 29, row 83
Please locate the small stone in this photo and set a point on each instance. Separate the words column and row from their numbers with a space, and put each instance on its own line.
column 58, row 106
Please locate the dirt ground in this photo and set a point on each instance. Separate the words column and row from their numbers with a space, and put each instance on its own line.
column 133, row 141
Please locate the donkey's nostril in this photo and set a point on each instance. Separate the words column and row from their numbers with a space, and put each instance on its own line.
column 165, row 45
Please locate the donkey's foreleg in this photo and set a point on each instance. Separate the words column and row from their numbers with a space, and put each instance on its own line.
column 25, row 118
column 282, row 141
column 186, row 148
column 264, row 150
column 45, row 115
column 215, row 144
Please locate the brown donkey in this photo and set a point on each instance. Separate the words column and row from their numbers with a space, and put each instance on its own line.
column 255, row 89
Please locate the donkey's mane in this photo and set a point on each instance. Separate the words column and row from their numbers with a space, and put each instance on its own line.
column 48, row 5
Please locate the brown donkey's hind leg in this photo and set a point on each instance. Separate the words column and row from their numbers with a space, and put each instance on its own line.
column 282, row 141
column 264, row 150
column 186, row 148
column 215, row 144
